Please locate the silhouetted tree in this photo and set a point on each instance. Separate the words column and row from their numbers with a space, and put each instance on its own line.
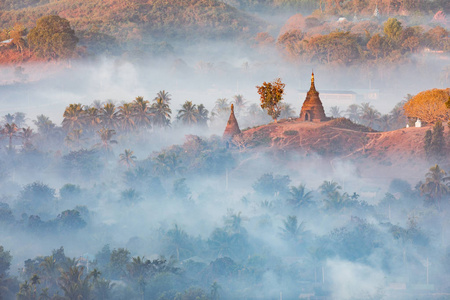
column 142, row 112
column 127, row 158
column 435, row 186
column 299, row 197
column 291, row 230
column 10, row 130
column 161, row 113
column 188, row 113
column 74, row 117
column 163, row 97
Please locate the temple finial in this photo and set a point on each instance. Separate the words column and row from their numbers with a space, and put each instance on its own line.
column 232, row 107
column 312, row 77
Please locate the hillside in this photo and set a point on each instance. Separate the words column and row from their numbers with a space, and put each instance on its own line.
column 135, row 19
column 270, row 5
column 398, row 152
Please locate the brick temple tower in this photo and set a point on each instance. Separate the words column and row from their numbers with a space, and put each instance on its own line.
column 232, row 126
column 312, row 109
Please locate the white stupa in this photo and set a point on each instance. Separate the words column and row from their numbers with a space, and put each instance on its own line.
column 418, row 123
column 376, row 13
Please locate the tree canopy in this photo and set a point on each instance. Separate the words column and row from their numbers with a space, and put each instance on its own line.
column 429, row 106
column 53, row 37
column 271, row 94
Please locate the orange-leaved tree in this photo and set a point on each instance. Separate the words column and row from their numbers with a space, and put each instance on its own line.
column 271, row 94
column 429, row 106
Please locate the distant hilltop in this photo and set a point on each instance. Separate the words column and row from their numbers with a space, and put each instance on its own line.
column 399, row 150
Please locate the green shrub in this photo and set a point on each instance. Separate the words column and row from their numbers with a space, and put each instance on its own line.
column 290, row 132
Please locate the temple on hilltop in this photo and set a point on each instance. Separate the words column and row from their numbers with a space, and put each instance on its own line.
column 232, row 126
column 312, row 109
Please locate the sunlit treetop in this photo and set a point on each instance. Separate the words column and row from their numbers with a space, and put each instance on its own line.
column 429, row 106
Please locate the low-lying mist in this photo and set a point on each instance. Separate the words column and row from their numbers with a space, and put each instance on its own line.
column 175, row 213
column 203, row 74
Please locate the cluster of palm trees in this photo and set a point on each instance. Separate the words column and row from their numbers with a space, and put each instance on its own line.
column 69, row 277
column 436, row 186
column 257, row 115
column 126, row 117
column 12, row 128
column 367, row 115
column 191, row 114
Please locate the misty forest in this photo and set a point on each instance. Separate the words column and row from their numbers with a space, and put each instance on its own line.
column 234, row 149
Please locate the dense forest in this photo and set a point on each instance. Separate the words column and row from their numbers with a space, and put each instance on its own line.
column 83, row 216
column 106, row 194
column 395, row 31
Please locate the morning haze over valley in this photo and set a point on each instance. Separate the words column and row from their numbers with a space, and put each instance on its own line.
column 235, row 149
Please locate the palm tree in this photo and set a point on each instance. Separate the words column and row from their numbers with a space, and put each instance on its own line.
column 97, row 104
column 335, row 112
column 353, row 113
column 223, row 243
column 221, row 108
column 256, row 115
column 102, row 289
column 329, row 188
column 161, row 113
column 167, row 164
column 73, row 138
column 8, row 119
column 435, row 186
column 286, row 111
column 44, row 125
column 126, row 117
column 74, row 117
column 44, row 295
column 369, row 114
column 10, row 130
column 299, row 197
column 34, row 280
column 202, row 115
column 50, row 271
column 178, row 241
column 139, row 267
column 106, row 139
column 142, row 112
column 239, row 102
column 188, row 113
column 108, row 115
column 95, row 274
column 74, row 284
column 233, row 223
column 92, row 118
column 25, row 292
column 222, row 104
column 130, row 196
column 26, row 134
column 164, row 97
column 127, row 158
column 334, row 199
column 138, row 270
column 292, row 231
column 397, row 114
column 19, row 119
column 384, row 122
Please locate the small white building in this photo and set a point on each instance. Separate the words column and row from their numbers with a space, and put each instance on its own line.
column 418, row 123
column 6, row 42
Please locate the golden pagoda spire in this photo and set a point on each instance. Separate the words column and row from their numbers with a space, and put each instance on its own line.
column 313, row 87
